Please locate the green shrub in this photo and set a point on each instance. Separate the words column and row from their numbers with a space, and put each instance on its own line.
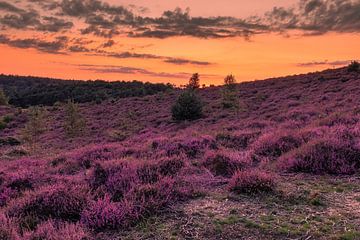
column 229, row 94
column 74, row 122
column 187, row 107
column 354, row 66
column 4, row 100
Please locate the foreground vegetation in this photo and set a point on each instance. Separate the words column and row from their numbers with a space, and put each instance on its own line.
column 279, row 160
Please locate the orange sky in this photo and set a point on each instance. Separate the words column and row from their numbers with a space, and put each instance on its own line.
column 264, row 55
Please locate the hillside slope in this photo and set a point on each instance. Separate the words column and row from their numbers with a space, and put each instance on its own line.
column 283, row 166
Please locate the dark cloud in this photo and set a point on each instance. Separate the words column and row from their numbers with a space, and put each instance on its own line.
column 317, row 17
column 55, row 46
column 180, row 61
column 171, row 60
column 108, row 44
column 130, row 70
column 322, row 63
column 4, row 6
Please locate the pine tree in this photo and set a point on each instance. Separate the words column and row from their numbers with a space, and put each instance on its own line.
column 74, row 121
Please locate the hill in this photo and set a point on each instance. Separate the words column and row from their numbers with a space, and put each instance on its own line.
column 29, row 91
column 285, row 165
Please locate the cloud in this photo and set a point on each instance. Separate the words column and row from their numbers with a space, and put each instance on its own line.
column 171, row 60
column 325, row 62
column 316, row 17
column 55, row 46
column 130, row 70
column 4, row 6
column 64, row 45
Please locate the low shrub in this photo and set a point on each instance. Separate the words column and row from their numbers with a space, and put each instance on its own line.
column 273, row 145
column 252, row 182
column 170, row 166
column 321, row 156
column 238, row 141
column 149, row 198
column 57, row 202
column 57, row 231
column 120, row 181
column 224, row 163
column 7, row 228
column 104, row 214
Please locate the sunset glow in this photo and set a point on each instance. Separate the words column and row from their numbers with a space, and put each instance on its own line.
column 44, row 38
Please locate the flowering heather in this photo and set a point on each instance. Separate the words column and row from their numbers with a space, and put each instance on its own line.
column 95, row 186
column 252, row 181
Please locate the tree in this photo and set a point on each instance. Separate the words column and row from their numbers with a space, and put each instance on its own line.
column 354, row 66
column 35, row 126
column 74, row 122
column 3, row 98
column 187, row 107
column 194, row 82
column 229, row 94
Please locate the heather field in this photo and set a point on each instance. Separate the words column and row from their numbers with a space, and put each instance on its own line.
column 283, row 164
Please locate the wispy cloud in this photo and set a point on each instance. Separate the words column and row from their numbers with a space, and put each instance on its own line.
column 322, row 63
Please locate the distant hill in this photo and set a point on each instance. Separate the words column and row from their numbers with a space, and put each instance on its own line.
column 28, row 91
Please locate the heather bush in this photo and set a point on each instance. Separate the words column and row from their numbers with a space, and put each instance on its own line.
column 74, row 122
column 252, row 182
column 104, row 214
column 57, row 231
column 98, row 177
column 6, row 194
column 7, row 228
column 187, row 107
column 224, row 163
column 324, row 155
column 191, row 146
column 58, row 202
column 354, row 67
column 273, row 145
column 148, row 173
column 121, row 180
column 149, row 198
column 170, row 166
column 237, row 140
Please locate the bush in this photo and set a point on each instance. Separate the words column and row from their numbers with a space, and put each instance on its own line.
column 149, row 198
column 187, row 107
column 7, row 229
column 52, row 231
column 120, row 181
column 53, row 202
column 224, row 163
column 238, row 141
column 252, row 182
column 354, row 67
column 273, row 145
column 105, row 214
column 323, row 156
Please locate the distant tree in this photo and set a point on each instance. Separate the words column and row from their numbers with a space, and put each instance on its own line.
column 35, row 126
column 74, row 122
column 229, row 94
column 194, row 82
column 187, row 107
column 354, row 66
column 3, row 98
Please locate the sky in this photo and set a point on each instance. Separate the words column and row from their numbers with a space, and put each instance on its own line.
column 168, row 40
